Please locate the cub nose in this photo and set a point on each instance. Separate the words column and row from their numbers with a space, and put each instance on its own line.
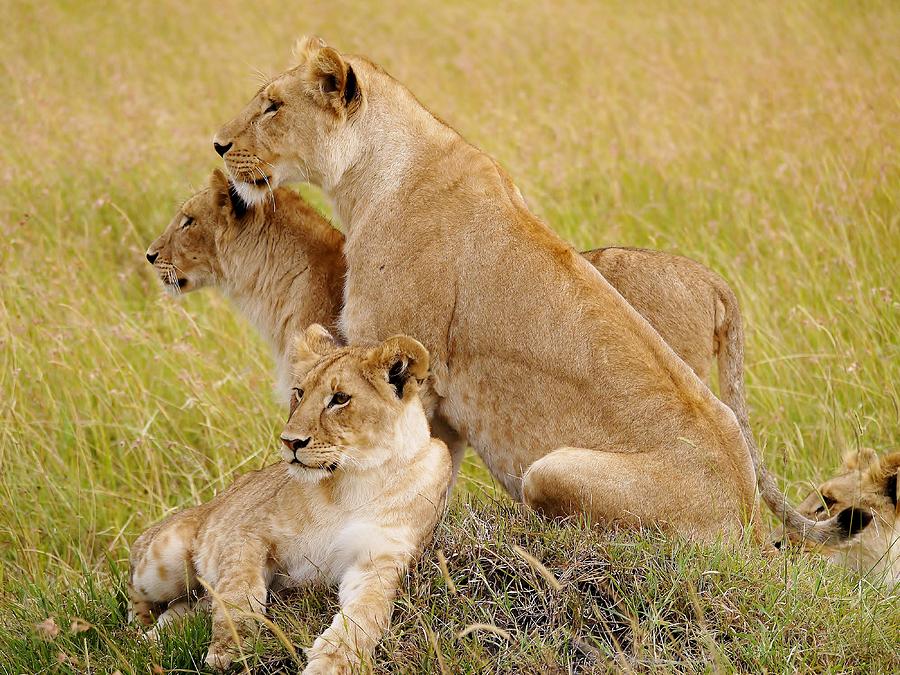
column 151, row 257
column 295, row 444
column 222, row 149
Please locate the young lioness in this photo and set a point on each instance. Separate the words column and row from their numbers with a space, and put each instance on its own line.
column 571, row 398
column 284, row 269
column 864, row 496
column 354, row 502
column 252, row 252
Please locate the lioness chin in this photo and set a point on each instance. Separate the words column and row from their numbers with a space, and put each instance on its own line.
column 354, row 502
column 571, row 398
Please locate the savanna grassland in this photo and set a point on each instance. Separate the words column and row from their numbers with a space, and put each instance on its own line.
column 762, row 139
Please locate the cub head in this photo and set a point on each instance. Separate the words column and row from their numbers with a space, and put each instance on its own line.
column 301, row 126
column 353, row 408
column 186, row 254
column 864, row 496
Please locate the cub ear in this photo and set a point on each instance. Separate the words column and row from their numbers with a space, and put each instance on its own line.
column 306, row 47
column 890, row 467
column 333, row 80
column 226, row 196
column 400, row 358
column 309, row 346
column 863, row 459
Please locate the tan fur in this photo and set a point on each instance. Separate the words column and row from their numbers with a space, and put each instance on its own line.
column 353, row 504
column 537, row 360
column 690, row 306
column 244, row 254
column 866, row 483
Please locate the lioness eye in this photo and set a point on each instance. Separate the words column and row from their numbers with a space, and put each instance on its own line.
column 296, row 397
column 187, row 221
column 338, row 398
column 273, row 106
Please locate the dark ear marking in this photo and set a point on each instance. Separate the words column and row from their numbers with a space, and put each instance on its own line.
column 351, row 89
column 890, row 488
column 237, row 204
column 852, row 520
column 397, row 376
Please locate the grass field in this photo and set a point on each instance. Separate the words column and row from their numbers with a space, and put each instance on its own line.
column 762, row 139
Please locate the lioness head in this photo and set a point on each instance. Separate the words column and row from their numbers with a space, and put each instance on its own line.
column 186, row 254
column 864, row 495
column 352, row 408
column 301, row 126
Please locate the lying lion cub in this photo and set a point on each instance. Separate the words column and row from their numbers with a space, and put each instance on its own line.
column 864, row 496
column 282, row 265
column 571, row 398
column 356, row 499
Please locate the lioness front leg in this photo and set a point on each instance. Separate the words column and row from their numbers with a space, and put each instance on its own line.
column 240, row 591
column 366, row 595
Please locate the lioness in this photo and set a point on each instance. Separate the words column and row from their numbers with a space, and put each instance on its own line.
column 251, row 252
column 571, row 398
column 864, row 495
column 356, row 499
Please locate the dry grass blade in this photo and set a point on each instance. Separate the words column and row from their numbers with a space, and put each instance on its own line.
column 487, row 627
column 538, row 567
column 445, row 571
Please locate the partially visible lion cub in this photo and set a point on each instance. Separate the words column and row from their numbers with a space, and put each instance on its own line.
column 282, row 266
column 864, row 496
column 354, row 503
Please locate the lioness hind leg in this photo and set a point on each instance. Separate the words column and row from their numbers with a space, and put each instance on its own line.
column 161, row 568
column 635, row 489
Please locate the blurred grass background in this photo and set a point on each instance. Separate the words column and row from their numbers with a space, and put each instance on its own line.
column 758, row 138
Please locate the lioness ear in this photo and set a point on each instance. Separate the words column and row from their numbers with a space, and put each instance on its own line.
column 305, row 47
column 334, row 81
column 400, row 358
column 226, row 196
column 309, row 346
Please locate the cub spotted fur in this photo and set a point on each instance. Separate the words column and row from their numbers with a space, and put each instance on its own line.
column 571, row 398
column 354, row 502
column 864, row 498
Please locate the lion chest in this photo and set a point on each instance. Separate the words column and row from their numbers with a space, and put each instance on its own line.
column 324, row 554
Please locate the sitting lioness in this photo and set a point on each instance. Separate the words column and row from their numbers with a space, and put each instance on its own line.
column 570, row 397
column 355, row 501
column 864, row 496
column 282, row 265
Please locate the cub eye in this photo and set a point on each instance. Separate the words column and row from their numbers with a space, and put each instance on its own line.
column 296, row 397
column 339, row 398
column 273, row 106
column 187, row 222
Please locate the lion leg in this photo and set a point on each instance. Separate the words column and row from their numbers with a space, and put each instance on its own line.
column 240, row 592
column 161, row 567
column 454, row 442
column 636, row 489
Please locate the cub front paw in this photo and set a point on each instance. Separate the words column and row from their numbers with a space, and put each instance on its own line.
column 219, row 657
column 328, row 665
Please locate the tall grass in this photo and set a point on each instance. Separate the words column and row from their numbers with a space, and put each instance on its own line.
column 759, row 138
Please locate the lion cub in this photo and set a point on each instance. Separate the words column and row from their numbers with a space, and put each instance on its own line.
column 357, row 497
column 864, row 496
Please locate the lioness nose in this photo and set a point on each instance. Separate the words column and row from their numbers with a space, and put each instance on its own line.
column 151, row 257
column 221, row 149
column 294, row 444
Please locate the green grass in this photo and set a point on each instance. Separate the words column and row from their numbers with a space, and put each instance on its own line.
column 761, row 139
